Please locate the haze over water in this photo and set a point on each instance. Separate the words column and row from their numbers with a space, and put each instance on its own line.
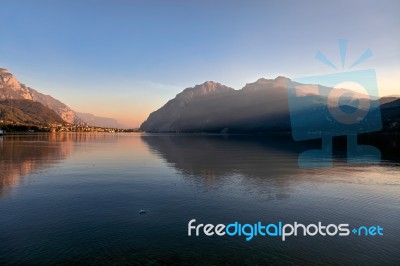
column 75, row 199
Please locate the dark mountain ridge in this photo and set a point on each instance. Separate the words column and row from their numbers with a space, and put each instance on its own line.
column 261, row 106
column 213, row 107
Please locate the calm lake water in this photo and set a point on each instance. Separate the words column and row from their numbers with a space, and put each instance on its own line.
column 74, row 199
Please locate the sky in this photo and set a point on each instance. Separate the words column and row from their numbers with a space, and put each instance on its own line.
column 125, row 59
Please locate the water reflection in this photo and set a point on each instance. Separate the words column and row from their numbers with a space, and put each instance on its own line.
column 85, row 210
column 388, row 144
column 21, row 155
column 265, row 164
column 258, row 163
column 215, row 156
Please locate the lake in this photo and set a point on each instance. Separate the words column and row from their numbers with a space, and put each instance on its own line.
column 75, row 199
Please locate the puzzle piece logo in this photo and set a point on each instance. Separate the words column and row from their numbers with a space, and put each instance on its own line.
column 337, row 104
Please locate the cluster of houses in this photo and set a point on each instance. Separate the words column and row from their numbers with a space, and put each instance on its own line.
column 64, row 128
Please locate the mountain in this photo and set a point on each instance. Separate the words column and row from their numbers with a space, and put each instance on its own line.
column 262, row 106
column 99, row 121
column 388, row 99
column 391, row 115
column 27, row 112
column 11, row 88
column 213, row 107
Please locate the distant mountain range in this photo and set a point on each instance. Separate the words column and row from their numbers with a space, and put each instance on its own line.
column 98, row 121
column 12, row 89
column 261, row 106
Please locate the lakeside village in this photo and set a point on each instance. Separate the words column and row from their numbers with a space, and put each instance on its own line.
column 13, row 127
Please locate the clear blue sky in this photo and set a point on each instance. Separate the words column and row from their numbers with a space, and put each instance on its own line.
column 123, row 59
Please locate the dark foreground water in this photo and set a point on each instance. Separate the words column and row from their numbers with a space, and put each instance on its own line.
column 74, row 199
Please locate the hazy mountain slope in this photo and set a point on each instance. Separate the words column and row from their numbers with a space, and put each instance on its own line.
column 98, row 121
column 388, row 99
column 259, row 107
column 177, row 113
column 28, row 112
column 213, row 107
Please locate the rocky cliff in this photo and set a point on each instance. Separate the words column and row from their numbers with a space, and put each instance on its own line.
column 11, row 88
